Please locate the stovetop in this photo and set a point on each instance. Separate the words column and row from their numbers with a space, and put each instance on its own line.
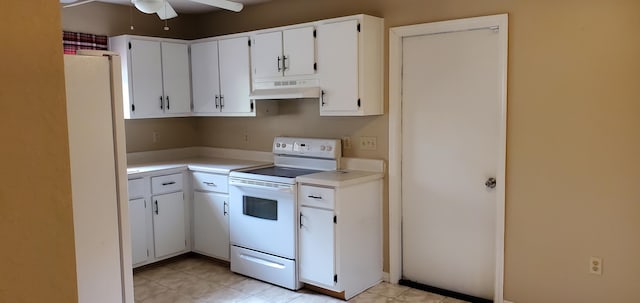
column 279, row 171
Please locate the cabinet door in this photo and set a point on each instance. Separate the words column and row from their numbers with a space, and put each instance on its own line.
column 146, row 78
column 205, row 78
column 169, row 224
column 234, row 75
column 338, row 66
column 175, row 75
column 211, row 224
column 138, row 224
column 316, row 248
column 299, row 51
column 266, row 55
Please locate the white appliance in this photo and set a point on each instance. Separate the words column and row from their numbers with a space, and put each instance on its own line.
column 98, row 177
column 263, row 209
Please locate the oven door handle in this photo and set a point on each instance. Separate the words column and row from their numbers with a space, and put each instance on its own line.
column 285, row 189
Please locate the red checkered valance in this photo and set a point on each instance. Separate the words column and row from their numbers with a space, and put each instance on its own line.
column 73, row 41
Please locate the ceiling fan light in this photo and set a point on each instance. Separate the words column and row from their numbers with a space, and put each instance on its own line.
column 148, row 6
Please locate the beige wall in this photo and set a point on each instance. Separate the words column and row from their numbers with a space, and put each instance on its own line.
column 36, row 223
column 573, row 131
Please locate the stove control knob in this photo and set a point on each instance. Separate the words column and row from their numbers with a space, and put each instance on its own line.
column 284, row 145
column 322, row 148
column 278, row 145
column 329, row 148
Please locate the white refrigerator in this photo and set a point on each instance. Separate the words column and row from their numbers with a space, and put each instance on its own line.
column 98, row 177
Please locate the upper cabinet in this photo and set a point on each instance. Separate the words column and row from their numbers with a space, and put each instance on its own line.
column 155, row 76
column 350, row 66
column 289, row 52
column 220, row 75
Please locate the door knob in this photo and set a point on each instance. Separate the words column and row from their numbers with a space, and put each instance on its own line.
column 490, row 183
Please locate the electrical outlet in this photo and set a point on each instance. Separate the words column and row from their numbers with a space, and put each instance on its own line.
column 346, row 142
column 368, row 143
column 595, row 265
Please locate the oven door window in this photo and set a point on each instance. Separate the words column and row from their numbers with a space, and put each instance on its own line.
column 260, row 208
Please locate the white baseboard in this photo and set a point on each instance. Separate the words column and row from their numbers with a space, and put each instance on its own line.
column 505, row 301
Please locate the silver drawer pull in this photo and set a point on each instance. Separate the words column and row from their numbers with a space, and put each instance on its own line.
column 209, row 183
column 168, row 183
column 315, row 197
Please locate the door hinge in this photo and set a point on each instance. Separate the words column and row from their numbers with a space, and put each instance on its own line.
column 335, row 278
column 249, row 42
column 358, row 27
column 314, row 33
column 335, row 219
column 251, row 106
column 145, row 203
column 133, row 107
column 358, row 102
column 315, row 66
column 129, row 45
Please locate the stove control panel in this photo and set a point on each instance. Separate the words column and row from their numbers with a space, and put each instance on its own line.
column 307, row 147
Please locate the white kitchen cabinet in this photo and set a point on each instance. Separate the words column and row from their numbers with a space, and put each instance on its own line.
column 211, row 224
column 155, row 76
column 316, row 245
column 169, row 233
column 138, row 222
column 290, row 52
column 211, row 215
column 220, row 75
column 340, row 232
column 350, row 66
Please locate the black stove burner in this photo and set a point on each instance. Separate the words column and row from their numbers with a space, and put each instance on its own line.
column 278, row 171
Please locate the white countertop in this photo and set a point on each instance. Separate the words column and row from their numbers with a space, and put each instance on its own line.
column 204, row 164
column 339, row 178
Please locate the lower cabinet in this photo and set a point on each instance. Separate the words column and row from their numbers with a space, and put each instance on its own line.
column 158, row 218
column 138, row 222
column 169, row 233
column 316, row 245
column 340, row 236
column 211, row 224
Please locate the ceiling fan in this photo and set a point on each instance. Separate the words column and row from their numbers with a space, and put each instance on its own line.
column 162, row 7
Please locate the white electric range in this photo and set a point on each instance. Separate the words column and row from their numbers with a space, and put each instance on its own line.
column 263, row 209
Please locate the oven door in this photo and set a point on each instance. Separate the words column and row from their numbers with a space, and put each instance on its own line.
column 262, row 216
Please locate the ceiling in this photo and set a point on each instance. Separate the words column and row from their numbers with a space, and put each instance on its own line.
column 186, row 6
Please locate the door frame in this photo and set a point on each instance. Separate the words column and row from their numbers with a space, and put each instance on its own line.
column 396, row 35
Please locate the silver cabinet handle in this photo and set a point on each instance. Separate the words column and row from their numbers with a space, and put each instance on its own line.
column 279, row 68
column 209, row 183
column 168, row 104
column 217, row 101
column 225, row 208
column 168, row 183
column 161, row 103
column 315, row 197
column 156, row 206
column 221, row 101
column 284, row 63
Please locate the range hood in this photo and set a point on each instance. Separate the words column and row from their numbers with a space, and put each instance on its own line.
column 285, row 89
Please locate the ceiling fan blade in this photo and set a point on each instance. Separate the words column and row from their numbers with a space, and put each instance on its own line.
column 166, row 12
column 224, row 4
column 76, row 3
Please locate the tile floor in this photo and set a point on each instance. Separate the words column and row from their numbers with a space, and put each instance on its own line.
column 195, row 279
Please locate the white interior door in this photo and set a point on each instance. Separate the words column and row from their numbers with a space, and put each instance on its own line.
column 451, row 119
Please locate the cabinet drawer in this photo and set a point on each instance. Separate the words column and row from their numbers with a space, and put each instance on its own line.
column 136, row 188
column 210, row 182
column 166, row 184
column 315, row 196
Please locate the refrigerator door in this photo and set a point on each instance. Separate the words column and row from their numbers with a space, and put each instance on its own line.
column 95, row 177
